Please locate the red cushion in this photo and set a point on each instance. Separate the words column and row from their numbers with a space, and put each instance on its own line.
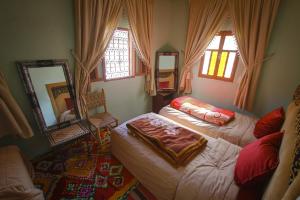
column 258, row 160
column 270, row 123
column 164, row 84
column 69, row 103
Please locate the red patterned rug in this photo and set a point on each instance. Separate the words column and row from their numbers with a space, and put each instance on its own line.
column 82, row 170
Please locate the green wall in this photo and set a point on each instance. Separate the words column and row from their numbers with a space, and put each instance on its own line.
column 170, row 24
column 281, row 74
column 33, row 29
column 126, row 98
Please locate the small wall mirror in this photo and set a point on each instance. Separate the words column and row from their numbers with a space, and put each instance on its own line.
column 166, row 71
column 49, row 87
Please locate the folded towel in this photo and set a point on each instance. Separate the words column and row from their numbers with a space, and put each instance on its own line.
column 174, row 143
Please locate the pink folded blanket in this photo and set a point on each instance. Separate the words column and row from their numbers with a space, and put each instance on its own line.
column 203, row 111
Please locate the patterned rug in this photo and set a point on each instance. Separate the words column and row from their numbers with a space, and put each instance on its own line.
column 82, row 170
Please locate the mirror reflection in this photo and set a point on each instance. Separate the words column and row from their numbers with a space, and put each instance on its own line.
column 53, row 95
column 167, row 66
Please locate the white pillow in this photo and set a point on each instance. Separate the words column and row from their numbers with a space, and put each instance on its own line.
column 280, row 179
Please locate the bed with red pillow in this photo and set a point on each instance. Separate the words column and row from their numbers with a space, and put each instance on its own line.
column 164, row 84
column 260, row 169
column 221, row 170
column 209, row 175
column 239, row 129
column 68, row 114
column 202, row 110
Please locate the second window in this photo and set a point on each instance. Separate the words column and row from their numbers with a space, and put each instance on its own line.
column 220, row 58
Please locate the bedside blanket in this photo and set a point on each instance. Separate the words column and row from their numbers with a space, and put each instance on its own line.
column 176, row 144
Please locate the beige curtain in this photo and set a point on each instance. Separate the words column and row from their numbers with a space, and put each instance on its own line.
column 140, row 17
column 12, row 119
column 253, row 22
column 95, row 22
column 205, row 19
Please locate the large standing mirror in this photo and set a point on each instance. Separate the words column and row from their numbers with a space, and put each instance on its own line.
column 166, row 71
column 49, row 86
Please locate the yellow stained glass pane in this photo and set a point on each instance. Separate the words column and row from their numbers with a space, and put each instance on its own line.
column 222, row 64
column 213, row 61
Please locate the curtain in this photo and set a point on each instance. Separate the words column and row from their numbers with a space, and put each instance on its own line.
column 95, row 22
column 205, row 19
column 140, row 17
column 12, row 118
column 253, row 21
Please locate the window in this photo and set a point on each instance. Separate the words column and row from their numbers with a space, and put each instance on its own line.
column 116, row 59
column 220, row 58
column 120, row 60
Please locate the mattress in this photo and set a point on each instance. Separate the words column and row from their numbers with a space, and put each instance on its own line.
column 67, row 116
column 208, row 176
column 239, row 131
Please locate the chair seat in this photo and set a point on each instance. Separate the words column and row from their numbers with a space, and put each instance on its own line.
column 100, row 120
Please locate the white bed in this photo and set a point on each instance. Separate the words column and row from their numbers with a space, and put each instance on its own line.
column 239, row 131
column 214, row 166
column 67, row 116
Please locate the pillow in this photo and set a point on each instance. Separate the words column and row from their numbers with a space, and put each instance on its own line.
column 164, row 84
column 258, row 160
column 270, row 123
column 69, row 103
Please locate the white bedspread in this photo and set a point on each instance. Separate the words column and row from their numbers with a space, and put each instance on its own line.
column 239, row 131
column 67, row 116
column 208, row 176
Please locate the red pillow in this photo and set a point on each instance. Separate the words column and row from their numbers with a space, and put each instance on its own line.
column 164, row 84
column 270, row 123
column 69, row 103
column 258, row 160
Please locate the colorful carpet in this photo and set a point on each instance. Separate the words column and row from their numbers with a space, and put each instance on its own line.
column 82, row 170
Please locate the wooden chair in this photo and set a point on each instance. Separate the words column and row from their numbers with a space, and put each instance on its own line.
column 102, row 120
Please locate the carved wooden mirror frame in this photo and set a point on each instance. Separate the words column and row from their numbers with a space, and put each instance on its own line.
column 158, row 54
column 23, row 68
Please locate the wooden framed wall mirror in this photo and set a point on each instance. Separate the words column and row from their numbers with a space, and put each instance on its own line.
column 49, row 86
column 166, row 71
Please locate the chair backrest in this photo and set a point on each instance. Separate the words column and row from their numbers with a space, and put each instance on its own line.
column 95, row 99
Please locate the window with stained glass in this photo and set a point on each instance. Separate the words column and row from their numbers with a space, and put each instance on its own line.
column 220, row 58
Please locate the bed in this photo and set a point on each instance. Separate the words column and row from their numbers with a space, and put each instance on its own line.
column 214, row 166
column 62, row 103
column 67, row 115
column 239, row 131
